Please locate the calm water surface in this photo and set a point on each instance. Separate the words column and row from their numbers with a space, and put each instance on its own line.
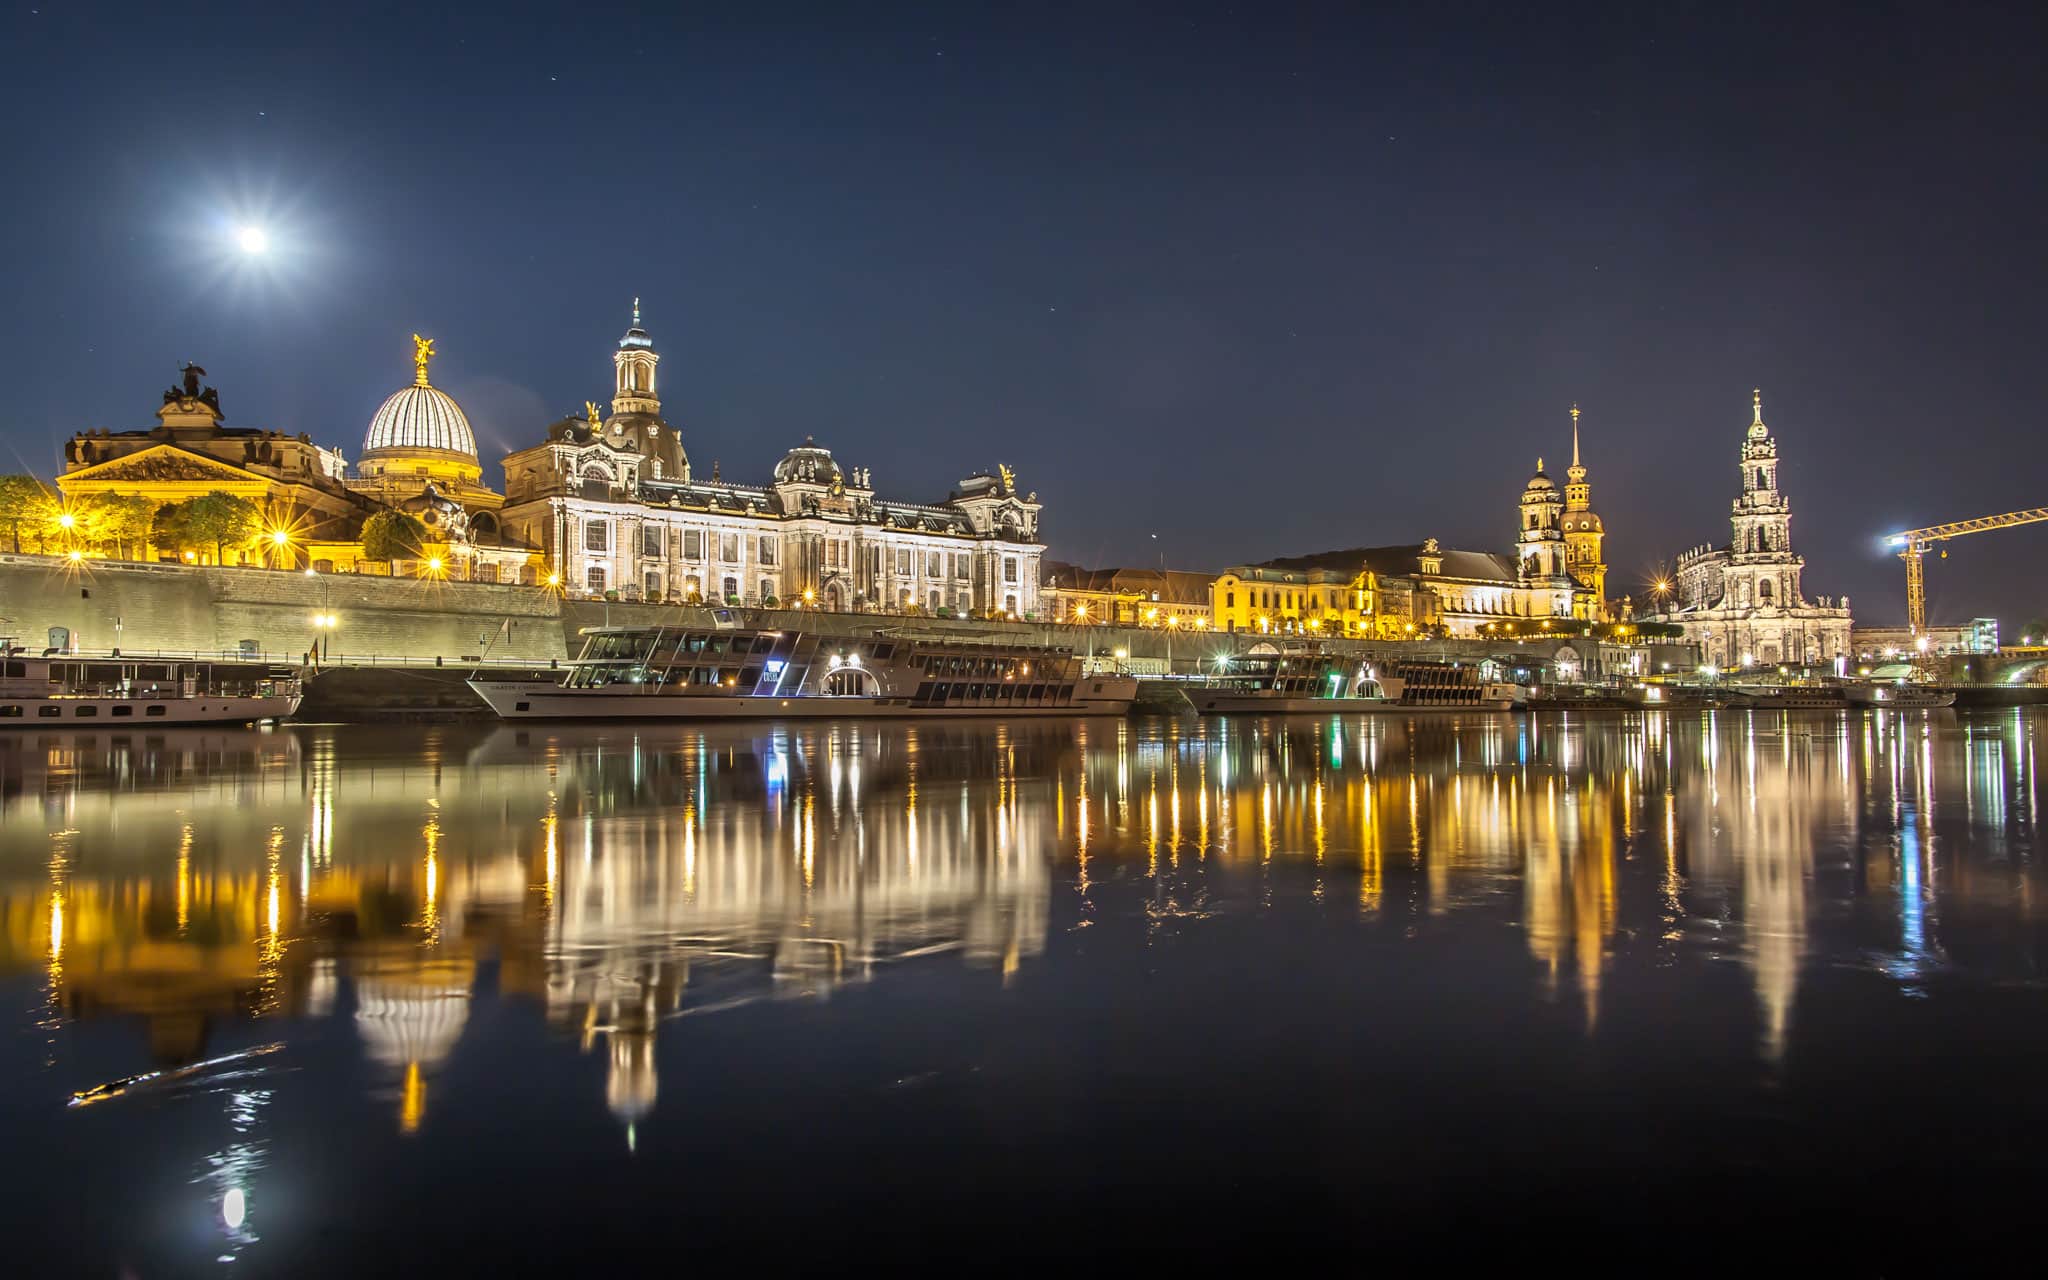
column 322, row 1000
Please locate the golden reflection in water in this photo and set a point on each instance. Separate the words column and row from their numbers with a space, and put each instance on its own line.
column 708, row 872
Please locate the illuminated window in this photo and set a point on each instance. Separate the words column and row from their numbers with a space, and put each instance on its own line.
column 903, row 561
column 595, row 579
column 767, row 549
column 1009, row 568
column 729, row 550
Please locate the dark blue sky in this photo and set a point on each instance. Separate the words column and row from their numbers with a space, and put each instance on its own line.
column 1262, row 279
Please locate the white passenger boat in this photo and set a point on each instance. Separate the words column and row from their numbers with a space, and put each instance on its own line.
column 1320, row 684
column 80, row 691
column 680, row 673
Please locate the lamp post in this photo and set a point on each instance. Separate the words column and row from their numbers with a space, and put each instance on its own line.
column 323, row 631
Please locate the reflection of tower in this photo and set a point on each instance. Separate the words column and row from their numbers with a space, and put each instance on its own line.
column 1750, row 828
column 1568, row 886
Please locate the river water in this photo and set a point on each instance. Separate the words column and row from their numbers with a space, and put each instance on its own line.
column 318, row 999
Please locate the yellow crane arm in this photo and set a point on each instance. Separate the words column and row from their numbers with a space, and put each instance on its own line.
column 1912, row 544
column 1936, row 533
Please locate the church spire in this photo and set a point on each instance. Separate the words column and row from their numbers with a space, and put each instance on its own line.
column 636, row 311
column 1575, row 436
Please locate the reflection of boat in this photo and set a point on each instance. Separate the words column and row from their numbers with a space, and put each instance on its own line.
column 1282, row 683
column 40, row 692
column 671, row 673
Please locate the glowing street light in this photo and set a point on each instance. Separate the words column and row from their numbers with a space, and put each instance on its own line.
column 67, row 521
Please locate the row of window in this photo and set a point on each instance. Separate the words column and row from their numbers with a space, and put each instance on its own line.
column 80, row 710
column 1259, row 599
column 597, row 536
column 598, row 582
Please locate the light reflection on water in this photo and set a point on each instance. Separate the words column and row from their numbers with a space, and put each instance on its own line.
column 617, row 879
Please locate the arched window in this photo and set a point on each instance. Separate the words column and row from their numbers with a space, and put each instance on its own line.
column 731, row 590
column 1763, row 592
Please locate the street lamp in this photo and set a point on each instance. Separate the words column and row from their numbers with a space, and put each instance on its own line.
column 323, row 629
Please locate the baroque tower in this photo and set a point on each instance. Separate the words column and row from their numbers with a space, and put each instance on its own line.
column 635, row 363
column 1583, row 537
column 1540, row 543
column 1763, row 569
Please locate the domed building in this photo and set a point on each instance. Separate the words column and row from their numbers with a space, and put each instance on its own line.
column 618, row 510
column 420, row 436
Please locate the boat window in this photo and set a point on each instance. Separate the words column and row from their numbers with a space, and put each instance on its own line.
column 10, row 713
column 749, row 677
column 49, row 713
column 17, row 670
column 882, row 652
column 124, row 711
column 84, row 712
column 156, row 710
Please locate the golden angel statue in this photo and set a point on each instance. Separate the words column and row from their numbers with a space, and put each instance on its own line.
column 422, row 351
column 590, row 407
column 1009, row 478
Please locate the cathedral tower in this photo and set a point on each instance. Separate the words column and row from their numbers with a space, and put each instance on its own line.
column 1584, row 536
column 635, row 363
column 1764, row 571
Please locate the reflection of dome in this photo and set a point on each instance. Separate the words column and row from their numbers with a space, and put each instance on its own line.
column 413, row 1018
column 807, row 464
column 420, row 417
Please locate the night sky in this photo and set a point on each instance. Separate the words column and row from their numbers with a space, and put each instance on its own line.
column 1259, row 279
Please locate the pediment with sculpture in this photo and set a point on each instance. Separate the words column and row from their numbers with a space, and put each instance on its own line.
column 164, row 463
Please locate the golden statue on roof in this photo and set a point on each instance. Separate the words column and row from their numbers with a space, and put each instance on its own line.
column 422, row 351
column 590, row 408
column 1009, row 477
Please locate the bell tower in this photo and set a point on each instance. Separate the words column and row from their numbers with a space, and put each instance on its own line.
column 635, row 361
column 1584, row 536
column 1540, row 542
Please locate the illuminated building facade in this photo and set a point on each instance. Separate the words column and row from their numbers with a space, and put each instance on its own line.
column 1742, row 603
column 617, row 509
column 1558, row 572
column 419, row 457
column 1169, row 598
column 191, row 452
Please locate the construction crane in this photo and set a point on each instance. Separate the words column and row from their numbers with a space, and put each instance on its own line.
column 1913, row 544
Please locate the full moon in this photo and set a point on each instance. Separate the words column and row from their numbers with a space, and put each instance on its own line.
column 252, row 239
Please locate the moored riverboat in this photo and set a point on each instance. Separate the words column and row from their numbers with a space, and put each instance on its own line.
column 1321, row 684
column 78, row 690
column 676, row 673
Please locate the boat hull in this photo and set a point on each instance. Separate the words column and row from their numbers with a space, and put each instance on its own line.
column 519, row 700
column 120, row 713
column 1220, row 704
